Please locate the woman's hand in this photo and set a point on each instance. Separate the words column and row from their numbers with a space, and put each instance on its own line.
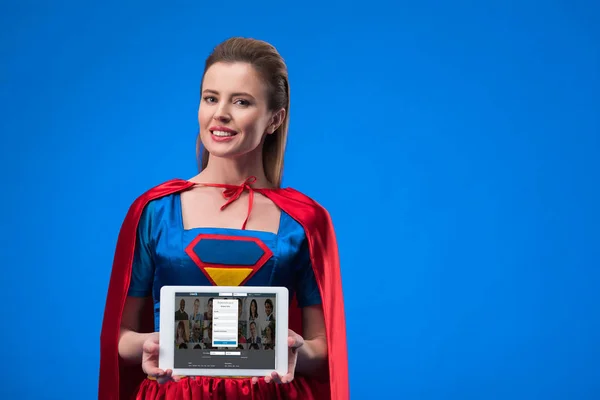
column 150, row 360
column 295, row 341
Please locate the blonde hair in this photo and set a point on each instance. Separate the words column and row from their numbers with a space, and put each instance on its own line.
column 272, row 68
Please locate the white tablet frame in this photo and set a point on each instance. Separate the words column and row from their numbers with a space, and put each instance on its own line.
column 167, row 329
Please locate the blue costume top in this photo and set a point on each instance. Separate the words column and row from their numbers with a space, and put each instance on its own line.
column 168, row 254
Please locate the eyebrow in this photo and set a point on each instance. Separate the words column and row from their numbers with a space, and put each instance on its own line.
column 232, row 94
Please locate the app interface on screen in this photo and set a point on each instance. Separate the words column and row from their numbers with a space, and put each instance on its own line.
column 220, row 330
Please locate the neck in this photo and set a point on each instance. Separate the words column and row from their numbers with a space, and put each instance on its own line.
column 234, row 171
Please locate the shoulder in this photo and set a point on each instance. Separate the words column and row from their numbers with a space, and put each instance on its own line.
column 300, row 206
column 164, row 189
column 156, row 196
column 304, row 200
column 161, row 190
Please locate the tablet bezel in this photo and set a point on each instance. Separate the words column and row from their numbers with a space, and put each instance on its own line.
column 167, row 329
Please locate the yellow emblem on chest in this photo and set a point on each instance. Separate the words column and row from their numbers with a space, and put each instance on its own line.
column 228, row 276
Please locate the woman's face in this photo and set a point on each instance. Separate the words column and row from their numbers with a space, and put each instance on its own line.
column 253, row 307
column 233, row 113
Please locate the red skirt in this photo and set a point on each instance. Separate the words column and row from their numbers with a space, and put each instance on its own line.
column 216, row 388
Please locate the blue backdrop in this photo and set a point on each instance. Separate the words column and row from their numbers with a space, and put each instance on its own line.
column 455, row 144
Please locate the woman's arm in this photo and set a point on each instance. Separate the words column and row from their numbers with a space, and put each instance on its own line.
column 130, row 341
column 312, row 356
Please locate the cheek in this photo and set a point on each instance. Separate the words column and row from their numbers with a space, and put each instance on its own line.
column 251, row 123
column 204, row 117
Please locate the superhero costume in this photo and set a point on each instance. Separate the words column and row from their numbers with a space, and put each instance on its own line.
column 300, row 215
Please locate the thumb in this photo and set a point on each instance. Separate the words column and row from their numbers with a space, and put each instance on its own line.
column 295, row 341
column 150, row 347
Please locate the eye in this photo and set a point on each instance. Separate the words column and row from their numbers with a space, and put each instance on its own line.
column 210, row 99
column 242, row 102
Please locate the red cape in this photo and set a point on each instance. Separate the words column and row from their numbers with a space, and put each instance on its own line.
column 119, row 381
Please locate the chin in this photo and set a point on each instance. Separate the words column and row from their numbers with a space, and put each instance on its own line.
column 228, row 149
column 222, row 151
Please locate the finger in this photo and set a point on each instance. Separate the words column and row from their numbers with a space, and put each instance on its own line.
column 150, row 347
column 160, row 372
column 254, row 380
column 268, row 379
column 287, row 378
column 155, row 372
column 295, row 342
column 165, row 377
column 291, row 369
column 276, row 377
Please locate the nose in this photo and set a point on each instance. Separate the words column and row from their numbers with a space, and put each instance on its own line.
column 222, row 113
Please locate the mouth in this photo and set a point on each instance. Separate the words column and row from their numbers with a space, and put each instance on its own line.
column 222, row 132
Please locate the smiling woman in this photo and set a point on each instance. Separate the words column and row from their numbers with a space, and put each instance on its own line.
column 253, row 76
column 243, row 120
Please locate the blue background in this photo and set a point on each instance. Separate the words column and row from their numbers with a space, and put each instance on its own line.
column 455, row 144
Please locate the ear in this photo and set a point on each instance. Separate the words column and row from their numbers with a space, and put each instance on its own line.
column 276, row 121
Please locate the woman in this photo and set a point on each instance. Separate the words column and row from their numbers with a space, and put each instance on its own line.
column 269, row 337
column 243, row 119
column 253, row 311
column 181, row 336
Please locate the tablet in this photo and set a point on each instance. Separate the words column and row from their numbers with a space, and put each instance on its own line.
column 223, row 331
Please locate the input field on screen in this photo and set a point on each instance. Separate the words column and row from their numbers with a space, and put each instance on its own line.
column 225, row 323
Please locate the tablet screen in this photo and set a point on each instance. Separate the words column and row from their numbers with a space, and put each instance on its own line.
column 225, row 330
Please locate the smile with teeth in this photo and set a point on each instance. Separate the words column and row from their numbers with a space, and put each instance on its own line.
column 223, row 133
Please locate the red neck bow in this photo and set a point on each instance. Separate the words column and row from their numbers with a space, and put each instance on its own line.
column 233, row 192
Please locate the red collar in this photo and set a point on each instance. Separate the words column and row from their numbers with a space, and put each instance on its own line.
column 233, row 192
